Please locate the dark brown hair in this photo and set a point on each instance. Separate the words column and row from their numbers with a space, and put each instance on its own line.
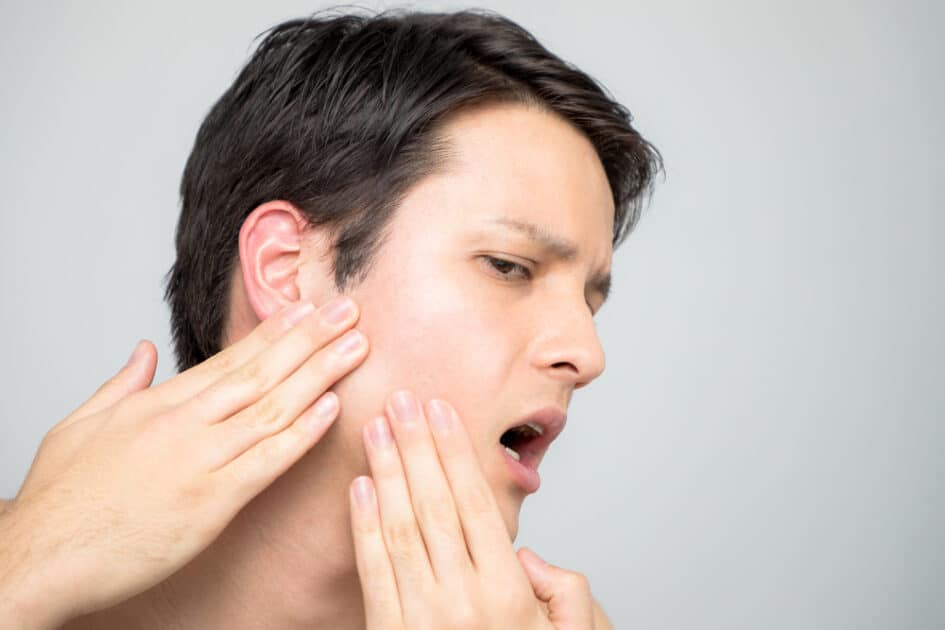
column 339, row 114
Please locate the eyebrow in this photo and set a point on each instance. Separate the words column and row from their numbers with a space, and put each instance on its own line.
column 560, row 248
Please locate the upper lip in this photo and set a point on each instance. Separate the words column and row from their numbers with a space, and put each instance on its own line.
column 550, row 419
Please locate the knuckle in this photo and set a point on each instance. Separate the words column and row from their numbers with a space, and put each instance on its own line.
column 255, row 375
column 370, row 527
column 434, row 510
column 213, row 455
column 388, row 471
column 270, row 449
column 264, row 413
column 272, row 329
column 479, row 501
column 399, row 535
column 313, row 336
column 221, row 363
column 249, row 468
column 320, row 333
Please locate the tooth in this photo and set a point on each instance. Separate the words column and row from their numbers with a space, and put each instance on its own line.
column 514, row 455
column 536, row 427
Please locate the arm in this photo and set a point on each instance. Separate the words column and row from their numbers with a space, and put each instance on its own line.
column 203, row 443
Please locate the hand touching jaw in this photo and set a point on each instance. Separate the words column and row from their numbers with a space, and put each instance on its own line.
column 482, row 293
column 432, row 549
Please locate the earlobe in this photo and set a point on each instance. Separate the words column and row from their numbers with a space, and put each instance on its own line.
column 269, row 248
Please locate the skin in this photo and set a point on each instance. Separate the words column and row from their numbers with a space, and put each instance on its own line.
column 431, row 546
column 444, row 322
column 138, row 480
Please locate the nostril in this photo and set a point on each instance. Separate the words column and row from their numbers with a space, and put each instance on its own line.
column 564, row 363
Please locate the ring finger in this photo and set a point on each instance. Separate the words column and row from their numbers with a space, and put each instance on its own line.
column 430, row 492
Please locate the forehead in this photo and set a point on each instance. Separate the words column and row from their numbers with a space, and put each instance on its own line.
column 521, row 164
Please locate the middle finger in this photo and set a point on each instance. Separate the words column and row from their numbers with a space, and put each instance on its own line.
column 429, row 490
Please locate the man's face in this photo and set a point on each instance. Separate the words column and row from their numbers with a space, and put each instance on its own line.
column 446, row 322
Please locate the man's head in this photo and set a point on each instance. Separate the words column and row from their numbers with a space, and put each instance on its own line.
column 413, row 161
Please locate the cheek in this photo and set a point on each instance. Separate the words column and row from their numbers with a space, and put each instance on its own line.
column 438, row 344
column 435, row 339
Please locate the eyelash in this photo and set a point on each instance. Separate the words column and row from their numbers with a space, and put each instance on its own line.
column 492, row 259
column 527, row 272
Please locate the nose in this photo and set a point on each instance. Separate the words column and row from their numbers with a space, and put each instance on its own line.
column 570, row 350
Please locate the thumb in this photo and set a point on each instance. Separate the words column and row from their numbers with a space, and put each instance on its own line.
column 135, row 375
column 566, row 594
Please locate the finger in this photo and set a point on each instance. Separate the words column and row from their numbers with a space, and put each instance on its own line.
column 272, row 413
column 189, row 383
column 248, row 383
column 378, row 584
column 430, row 492
column 247, row 475
column 566, row 593
column 134, row 376
column 399, row 525
column 487, row 538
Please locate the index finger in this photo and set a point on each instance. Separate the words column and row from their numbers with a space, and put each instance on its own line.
column 187, row 384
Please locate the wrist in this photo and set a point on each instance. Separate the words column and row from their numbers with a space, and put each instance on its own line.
column 27, row 602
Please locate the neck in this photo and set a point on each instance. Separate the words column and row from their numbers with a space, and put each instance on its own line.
column 286, row 561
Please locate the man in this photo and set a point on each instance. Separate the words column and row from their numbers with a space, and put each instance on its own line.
column 466, row 189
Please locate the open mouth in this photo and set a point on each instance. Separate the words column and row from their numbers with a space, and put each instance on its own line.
column 524, row 444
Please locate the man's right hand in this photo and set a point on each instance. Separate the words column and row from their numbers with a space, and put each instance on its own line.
column 138, row 480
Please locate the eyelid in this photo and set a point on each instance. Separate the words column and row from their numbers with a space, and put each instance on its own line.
column 526, row 270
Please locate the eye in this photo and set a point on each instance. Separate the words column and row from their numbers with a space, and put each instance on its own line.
column 504, row 267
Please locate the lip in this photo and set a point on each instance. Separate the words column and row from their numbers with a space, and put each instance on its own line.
column 525, row 472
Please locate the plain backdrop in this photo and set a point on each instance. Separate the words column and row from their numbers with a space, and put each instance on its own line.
column 766, row 447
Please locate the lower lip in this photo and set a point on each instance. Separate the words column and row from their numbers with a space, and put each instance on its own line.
column 527, row 478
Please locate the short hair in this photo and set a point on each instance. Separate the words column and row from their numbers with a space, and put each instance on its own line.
column 340, row 114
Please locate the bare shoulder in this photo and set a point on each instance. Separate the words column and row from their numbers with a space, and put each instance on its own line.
column 601, row 622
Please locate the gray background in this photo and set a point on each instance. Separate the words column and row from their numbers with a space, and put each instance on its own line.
column 765, row 449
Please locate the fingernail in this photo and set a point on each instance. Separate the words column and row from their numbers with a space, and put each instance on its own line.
column 380, row 433
column 440, row 417
column 295, row 313
column 326, row 405
column 349, row 342
column 337, row 310
column 363, row 492
column 405, row 406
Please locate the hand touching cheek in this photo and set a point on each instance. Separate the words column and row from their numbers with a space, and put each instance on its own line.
column 432, row 548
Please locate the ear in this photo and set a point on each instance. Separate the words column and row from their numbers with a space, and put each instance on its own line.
column 270, row 247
